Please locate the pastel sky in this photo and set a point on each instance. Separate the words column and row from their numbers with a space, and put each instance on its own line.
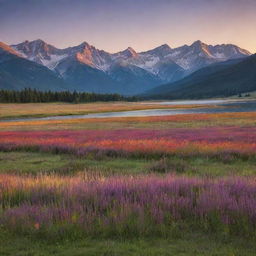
column 114, row 25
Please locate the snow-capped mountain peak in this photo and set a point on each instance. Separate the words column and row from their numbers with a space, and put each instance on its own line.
column 126, row 54
column 164, row 62
column 160, row 51
column 35, row 48
column 40, row 52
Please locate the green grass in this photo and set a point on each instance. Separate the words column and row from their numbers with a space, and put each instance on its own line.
column 200, row 166
column 38, row 162
column 195, row 244
column 33, row 163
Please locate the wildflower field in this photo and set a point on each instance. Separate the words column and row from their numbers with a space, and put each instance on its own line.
column 137, row 142
column 127, row 206
column 171, row 185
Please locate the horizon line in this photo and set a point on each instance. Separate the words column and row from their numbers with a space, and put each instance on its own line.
column 139, row 51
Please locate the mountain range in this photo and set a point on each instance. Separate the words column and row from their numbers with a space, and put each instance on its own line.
column 224, row 79
column 37, row 64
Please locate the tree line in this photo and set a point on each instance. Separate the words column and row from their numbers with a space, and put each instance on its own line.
column 33, row 96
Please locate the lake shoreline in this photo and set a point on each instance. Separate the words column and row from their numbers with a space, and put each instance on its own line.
column 195, row 107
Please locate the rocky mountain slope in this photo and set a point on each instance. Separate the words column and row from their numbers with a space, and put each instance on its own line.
column 86, row 68
column 17, row 73
column 218, row 80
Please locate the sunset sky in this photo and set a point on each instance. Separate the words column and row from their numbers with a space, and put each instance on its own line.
column 114, row 25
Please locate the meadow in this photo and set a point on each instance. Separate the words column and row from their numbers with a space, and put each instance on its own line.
column 171, row 185
column 13, row 110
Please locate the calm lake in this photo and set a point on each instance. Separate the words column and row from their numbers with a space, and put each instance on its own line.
column 223, row 106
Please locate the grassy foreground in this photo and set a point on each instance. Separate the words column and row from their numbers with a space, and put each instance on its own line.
column 103, row 184
column 24, row 163
column 188, row 245
column 34, row 163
